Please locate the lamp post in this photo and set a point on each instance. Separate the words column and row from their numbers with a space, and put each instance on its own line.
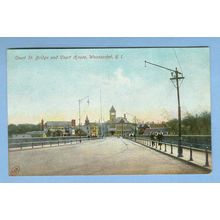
column 80, row 100
column 175, row 77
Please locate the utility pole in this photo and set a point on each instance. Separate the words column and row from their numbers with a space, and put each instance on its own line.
column 175, row 77
column 80, row 100
column 101, row 113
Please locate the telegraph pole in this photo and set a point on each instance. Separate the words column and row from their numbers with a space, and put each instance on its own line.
column 175, row 77
column 101, row 126
column 87, row 97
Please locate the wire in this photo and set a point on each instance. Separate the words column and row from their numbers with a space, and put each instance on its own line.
column 178, row 60
column 181, row 82
column 173, row 84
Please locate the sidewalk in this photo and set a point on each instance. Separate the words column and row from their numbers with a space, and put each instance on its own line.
column 198, row 156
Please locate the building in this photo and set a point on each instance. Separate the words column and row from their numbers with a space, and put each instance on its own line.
column 59, row 128
column 37, row 133
column 119, row 126
column 142, row 127
column 148, row 131
column 90, row 129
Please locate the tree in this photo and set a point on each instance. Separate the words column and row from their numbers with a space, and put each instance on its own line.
column 22, row 128
column 198, row 124
column 173, row 126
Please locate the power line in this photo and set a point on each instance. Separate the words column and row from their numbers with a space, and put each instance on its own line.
column 177, row 59
column 181, row 81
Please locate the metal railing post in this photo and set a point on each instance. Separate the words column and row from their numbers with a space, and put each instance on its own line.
column 32, row 144
column 206, row 157
column 171, row 148
column 165, row 150
column 190, row 149
column 160, row 145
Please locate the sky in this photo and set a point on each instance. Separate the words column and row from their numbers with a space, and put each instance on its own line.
column 47, row 83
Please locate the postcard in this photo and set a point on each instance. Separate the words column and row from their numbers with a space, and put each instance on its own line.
column 109, row 111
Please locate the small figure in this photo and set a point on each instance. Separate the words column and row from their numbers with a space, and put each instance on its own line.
column 152, row 137
column 160, row 138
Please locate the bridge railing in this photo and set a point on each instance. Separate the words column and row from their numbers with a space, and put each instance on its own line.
column 199, row 156
column 48, row 143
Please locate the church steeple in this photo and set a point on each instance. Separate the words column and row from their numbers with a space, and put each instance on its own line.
column 112, row 113
column 87, row 120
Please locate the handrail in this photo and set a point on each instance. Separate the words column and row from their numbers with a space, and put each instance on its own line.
column 32, row 144
column 183, row 146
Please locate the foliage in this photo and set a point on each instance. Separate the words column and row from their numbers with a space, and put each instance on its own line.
column 173, row 126
column 192, row 124
column 22, row 128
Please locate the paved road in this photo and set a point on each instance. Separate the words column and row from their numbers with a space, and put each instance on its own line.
column 97, row 157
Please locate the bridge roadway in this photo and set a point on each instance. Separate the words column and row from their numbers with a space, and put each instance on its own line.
column 106, row 156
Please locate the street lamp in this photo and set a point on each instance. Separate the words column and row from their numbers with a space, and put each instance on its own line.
column 175, row 77
column 80, row 100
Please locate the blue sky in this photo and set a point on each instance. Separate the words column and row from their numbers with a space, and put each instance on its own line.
column 50, row 88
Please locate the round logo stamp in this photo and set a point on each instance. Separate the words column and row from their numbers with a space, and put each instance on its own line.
column 15, row 171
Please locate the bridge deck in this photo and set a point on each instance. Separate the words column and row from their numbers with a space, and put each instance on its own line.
column 98, row 157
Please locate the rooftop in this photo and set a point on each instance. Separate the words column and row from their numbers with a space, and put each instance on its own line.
column 58, row 123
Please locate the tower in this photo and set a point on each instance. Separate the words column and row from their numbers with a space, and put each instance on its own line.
column 87, row 120
column 112, row 114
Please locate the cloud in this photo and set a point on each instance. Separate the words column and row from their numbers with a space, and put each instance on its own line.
column 119, row 78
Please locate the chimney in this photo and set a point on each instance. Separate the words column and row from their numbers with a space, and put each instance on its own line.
column 42, row 124
column 73, row 122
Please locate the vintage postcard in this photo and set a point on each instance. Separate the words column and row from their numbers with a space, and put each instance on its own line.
column 109, row 111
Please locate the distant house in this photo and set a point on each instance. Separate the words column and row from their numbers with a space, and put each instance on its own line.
column 36, row 133
column 142, row 127
column 90, row 129
column 148, row 131
column 59, row 128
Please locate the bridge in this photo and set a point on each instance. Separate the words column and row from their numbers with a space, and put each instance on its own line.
column 105, row 156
